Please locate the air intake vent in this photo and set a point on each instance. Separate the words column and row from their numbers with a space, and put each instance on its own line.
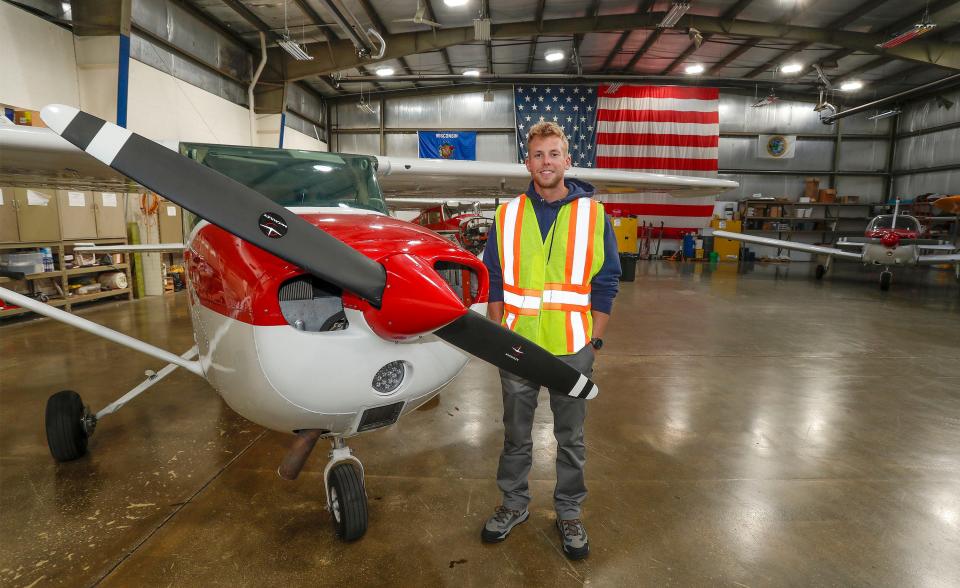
column 456, row 275
column 310, row 304
column 381, row 416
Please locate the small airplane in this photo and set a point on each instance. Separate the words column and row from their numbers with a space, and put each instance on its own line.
column 462, row 222
column 890, row 240
column 314, row 312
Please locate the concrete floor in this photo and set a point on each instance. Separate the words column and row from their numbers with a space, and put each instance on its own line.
column 757, row 429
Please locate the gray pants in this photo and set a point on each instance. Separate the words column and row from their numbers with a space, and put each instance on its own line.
column 519, row 404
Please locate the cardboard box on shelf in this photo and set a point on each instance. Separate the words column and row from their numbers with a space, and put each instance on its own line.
column 811, row 187
column 849, row 199
column 827, row 195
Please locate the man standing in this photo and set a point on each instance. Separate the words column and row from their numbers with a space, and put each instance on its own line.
column 554, row 272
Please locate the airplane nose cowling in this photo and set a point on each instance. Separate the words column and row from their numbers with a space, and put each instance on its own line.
column 416, row 300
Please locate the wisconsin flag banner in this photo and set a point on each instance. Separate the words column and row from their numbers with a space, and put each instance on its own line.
column 448, row 144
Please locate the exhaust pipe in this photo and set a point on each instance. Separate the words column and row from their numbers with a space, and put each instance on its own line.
column 300, row 450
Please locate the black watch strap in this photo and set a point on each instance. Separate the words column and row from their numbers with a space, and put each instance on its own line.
column 597, row 342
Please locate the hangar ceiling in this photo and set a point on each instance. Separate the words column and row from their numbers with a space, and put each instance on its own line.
column 744, row 42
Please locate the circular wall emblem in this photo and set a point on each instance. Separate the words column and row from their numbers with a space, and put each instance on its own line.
column 272, row 225
column 777, row 146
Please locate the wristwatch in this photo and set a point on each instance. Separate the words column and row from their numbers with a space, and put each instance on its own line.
column 597, row 342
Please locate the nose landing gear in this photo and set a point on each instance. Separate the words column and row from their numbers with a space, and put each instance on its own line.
column 886, row 278
column 342, row 481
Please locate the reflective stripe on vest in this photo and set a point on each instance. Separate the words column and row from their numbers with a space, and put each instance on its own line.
column 546, row 284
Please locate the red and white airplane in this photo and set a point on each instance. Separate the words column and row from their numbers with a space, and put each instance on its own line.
column 314, row 312
column 890, row 240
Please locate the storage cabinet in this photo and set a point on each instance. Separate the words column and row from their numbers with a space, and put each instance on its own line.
column 38, row 216
column 109, row 211
column 8, row 217
column 171, row 222
column 77, row 217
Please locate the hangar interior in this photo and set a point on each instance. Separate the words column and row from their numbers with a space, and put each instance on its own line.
column 758, row 423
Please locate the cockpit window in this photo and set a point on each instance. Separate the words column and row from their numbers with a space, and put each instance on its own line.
column 292, row 177
column 885, row 221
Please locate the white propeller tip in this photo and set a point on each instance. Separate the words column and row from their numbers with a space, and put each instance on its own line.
column 58, row 116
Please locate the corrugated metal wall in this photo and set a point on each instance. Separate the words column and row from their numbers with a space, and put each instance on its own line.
column 863, row 150
column 932, row 141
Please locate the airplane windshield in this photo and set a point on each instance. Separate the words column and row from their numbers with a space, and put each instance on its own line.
column 885, row 221
column 291, row 177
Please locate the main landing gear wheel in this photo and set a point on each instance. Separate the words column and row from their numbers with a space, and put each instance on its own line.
column 820, row 272
column 348, row 502
column 69, row 424
column 886, row 278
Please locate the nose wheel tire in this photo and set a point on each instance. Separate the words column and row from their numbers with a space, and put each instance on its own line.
column 348, row 502
column 69, row 425
column 886, row 278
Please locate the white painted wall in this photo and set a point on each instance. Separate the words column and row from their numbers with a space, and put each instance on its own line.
column 39, row 66
column 268, row 135
column 161, row 107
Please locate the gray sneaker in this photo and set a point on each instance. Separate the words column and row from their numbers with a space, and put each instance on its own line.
column 574, row 537
column 501, row 523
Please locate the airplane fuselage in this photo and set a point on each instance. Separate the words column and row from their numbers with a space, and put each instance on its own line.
column 290, row 353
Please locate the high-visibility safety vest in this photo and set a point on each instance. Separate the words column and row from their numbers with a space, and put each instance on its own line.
column 546, row 282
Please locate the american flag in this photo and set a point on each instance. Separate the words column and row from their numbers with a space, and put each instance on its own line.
column 574, row 108
column 661, row 129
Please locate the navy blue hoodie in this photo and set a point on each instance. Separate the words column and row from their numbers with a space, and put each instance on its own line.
column 603, row 286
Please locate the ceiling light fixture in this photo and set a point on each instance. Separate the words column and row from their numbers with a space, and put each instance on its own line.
column 454, row 2
column 384, row 71
column 677, row 10
column 791, row 68
column 553, row 55
column 851, row 86
column 912, row 33
column 695, row 69
column 883, row 115
column 471, row 73
column 293, row 48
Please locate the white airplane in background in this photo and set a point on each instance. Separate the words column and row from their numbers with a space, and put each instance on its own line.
column 890, row 240
column 314, row 313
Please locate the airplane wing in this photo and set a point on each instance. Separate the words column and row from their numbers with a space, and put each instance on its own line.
column 937, row 259
column 807, row 247
column 38, row 157
column 417, row 203
column 142, row 248
column 455, row 178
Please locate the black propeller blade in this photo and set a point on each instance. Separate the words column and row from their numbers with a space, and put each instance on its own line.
column 224, row 202
column 494, row 344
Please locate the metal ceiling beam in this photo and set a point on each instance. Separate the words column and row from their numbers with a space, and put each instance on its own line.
column 485, row 7
column 643, row 7
column 322, row 25
column 647, row 44
column 732, row 13
column 851, row 17
column 343, row 56
column 541, row 5
column 592, row 12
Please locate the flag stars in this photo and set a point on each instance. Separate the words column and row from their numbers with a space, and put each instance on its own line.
column 527, row 98
column 540, row 98
column 548, row 108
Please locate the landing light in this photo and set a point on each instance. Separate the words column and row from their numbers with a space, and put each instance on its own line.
column 389, row 378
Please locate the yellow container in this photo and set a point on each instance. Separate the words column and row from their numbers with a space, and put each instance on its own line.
column 727, row 249
column 626, row 230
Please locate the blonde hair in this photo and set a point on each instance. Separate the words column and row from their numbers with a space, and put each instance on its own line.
column 546, row 129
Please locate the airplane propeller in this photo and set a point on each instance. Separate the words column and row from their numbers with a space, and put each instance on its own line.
column 256, row 219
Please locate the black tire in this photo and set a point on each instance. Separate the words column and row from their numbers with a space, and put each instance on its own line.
column 348, row 502
column 66, row 436
column 820, row 272
column 886, row 278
